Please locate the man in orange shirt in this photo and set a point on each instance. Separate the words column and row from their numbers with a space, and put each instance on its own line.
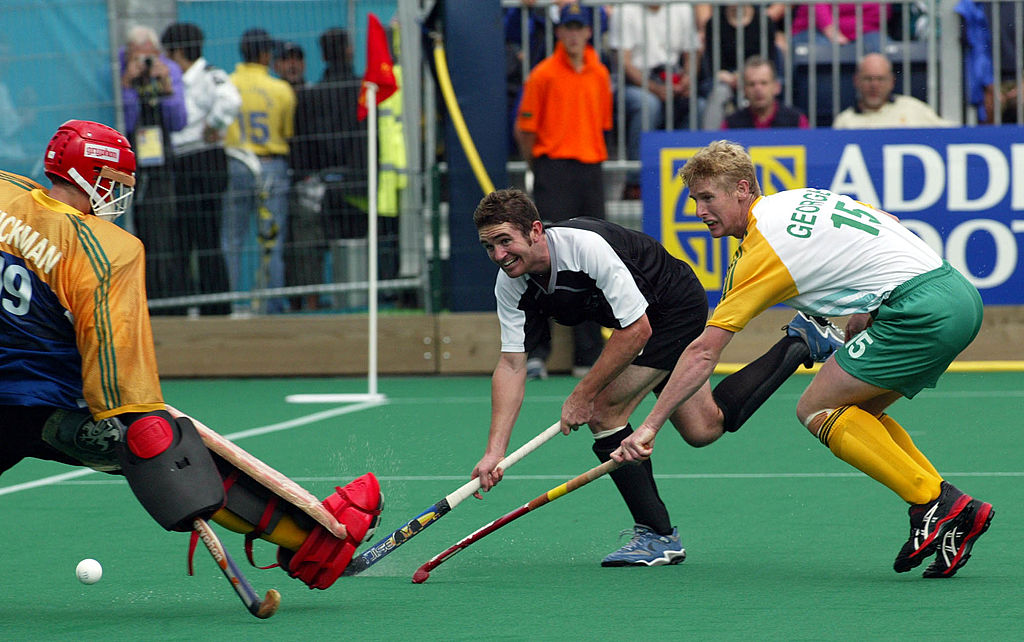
column 565, row 112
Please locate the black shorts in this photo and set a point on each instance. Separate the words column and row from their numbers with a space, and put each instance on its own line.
column 21, row 430
column 675, row 324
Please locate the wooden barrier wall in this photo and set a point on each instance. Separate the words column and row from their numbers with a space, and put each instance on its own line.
column 410, row 344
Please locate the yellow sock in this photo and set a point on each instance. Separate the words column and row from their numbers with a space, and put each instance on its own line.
column 287, row 533
column 903, row 440
column 860, row 440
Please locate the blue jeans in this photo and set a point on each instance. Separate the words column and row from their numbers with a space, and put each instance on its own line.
column 239, row 239
column 636, row 99
column 639, row 100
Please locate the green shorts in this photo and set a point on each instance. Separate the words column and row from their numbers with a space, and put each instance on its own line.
column 917, row 332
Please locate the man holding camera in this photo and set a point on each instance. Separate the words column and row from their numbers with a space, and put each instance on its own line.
column 154, row 106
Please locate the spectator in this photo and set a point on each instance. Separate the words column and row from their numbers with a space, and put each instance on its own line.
column 533, row 51
column 878, row 107
column 737, row 25
column 265, row 124
column 301, row 260
column 331, row 166
column 1009, row 70
column 200, row 164
column 1009, row 92
column 565, row 112
column 153, row 98
column 290, row 64
column 844, row 30
column 761, row 88
column 653, row 41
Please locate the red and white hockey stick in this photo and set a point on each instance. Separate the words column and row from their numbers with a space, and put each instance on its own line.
column 423, row 572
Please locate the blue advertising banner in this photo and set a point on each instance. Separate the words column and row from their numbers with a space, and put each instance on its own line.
column 961, row 190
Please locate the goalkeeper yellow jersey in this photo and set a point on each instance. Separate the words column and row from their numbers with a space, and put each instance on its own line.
column 821, row 253
column 74, row 325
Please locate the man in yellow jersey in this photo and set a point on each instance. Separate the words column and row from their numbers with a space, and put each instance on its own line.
column 900, row 297
column 257, row 146
column 78, row 374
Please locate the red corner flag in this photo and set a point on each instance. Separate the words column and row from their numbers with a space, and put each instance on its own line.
column 378, row 66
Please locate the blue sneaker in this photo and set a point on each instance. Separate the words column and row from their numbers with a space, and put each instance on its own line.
column 821, row 336
column 647, row 548
column 536, row 369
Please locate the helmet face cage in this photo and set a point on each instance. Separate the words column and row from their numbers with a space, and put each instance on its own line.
column 98, row 160
column 110, row 195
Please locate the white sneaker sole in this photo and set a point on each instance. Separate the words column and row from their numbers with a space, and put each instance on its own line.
column 669, row 558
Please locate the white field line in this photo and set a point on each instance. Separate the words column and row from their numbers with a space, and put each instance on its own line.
column 235, row 436
column 326, row 414
column 67, row 479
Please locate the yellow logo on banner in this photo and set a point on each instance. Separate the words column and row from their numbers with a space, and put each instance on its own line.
column 778, row 168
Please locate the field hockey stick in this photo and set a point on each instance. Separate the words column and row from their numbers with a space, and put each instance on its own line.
column 382, row 548
column 423, row 572
column 260, row 608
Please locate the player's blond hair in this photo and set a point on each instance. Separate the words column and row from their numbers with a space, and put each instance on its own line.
column 723, row 162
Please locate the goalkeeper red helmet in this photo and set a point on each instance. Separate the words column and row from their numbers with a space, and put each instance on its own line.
column 96, row 158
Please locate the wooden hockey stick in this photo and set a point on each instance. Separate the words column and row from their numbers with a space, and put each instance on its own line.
column 260, row 608
column 272, row 480
column 376, row 552
column 423, row 572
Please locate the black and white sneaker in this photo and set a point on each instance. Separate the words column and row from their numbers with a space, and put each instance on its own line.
column 929, row 524
column 954, row 549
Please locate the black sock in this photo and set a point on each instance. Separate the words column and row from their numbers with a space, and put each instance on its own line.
column 743, row 392
column 636, row 485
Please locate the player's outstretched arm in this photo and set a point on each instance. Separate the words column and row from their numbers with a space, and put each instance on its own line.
column 693, row 369
column 508, row 388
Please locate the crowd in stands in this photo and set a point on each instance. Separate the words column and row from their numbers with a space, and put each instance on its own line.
column 247, row 177
column 215, row 146
column 737, row 56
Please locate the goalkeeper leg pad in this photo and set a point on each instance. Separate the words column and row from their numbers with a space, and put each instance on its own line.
column 170, row 470
column 322, row 557
column 256, row 512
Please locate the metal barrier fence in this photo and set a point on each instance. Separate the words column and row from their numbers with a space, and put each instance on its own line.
column 927, row 41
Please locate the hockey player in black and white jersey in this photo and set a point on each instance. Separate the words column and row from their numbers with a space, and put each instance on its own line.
column 654, row 305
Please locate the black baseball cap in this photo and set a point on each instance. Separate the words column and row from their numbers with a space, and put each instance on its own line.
column 287, row 49
column 255, row 42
